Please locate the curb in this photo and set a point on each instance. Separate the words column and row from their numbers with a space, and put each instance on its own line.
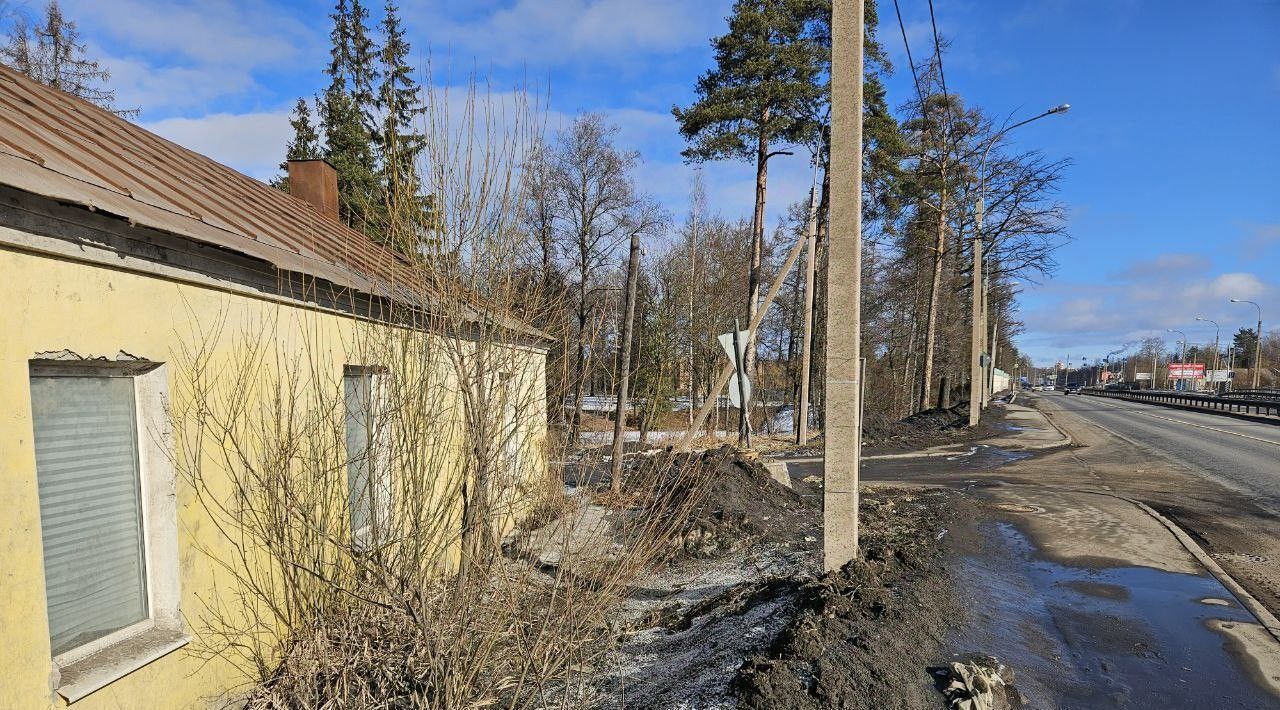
column 1069, row 441
column 1260, row 612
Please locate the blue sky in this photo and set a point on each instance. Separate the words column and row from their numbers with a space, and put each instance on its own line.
column 1173, row 198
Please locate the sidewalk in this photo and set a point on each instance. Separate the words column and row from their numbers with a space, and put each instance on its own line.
column 1028, row 430
column 1099, row 601
column 1094, row 602
column 1092, row 599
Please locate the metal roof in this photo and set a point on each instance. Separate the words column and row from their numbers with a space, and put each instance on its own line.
column 62, row 147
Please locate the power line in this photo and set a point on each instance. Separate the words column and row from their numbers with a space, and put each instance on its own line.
column 910, row 62
column 942, row 78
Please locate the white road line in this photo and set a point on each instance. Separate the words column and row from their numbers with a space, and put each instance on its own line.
column 1136, row 410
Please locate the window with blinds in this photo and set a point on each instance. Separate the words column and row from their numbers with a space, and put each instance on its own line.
column 87, row 473
column 357, row 390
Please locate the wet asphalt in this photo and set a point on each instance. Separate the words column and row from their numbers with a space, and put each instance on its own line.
column 1240, row 454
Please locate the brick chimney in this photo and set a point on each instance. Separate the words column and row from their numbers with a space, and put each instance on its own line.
column 316, row 182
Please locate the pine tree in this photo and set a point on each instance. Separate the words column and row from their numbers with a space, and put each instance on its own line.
column 53, row 54
column 306, row 140
column 397, row 139
column 348, row 141
column 766, row 92
column 305, row 144
column 361, row 69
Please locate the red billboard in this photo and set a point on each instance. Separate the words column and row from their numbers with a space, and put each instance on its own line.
column 1186, row 371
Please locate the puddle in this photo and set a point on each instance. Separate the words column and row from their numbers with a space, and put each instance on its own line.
column 1112, row 637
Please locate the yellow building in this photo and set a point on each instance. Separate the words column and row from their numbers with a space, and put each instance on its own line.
column 142, row 282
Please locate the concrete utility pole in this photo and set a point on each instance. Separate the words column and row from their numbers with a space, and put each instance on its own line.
column 806, row 347
column 979, row 330
column 843, row 449
column 1217, row 357
column 624, row 377
column 1231, row 357
column 1182, row 356
column 977, row 382
column 1257, row 345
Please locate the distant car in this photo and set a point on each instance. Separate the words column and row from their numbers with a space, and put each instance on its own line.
column 1073, row 389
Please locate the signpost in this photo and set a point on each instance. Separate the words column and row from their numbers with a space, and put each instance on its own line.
column 735, row 346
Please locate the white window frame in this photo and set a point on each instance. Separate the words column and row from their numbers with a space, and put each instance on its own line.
column 84, row 669
column 380, row 514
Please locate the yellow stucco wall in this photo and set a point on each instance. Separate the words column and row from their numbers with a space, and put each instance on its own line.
column 52, row 304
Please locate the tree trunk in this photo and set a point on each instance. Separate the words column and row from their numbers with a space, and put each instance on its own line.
column 624, row 367
column 806, row 345
column 935, row 287
column 757, row 238
column 580, row 376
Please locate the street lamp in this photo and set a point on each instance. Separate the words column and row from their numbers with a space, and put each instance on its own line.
column 1217, row 357
column 1182, row 355
column 1257, row 350
column 977, row 382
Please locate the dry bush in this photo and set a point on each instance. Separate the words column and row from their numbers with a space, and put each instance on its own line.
column 410, row 601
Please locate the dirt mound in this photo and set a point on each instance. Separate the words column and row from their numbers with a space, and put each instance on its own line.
column 865, row 635
column 931, row 427
column 735, row 502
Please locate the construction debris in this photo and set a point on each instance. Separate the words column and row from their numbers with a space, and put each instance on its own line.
column 974, row 685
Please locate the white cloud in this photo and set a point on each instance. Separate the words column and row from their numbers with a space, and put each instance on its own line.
column 252, row 143
column 169, row 58
column 1145, row 300
column 1259, row 239
column 223, row 32
column 1162, row 266
column 565, row 31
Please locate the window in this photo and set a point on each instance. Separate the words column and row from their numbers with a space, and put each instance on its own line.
column 368, row 490
column 510, row 425
column 86, row 440
column 108, row 521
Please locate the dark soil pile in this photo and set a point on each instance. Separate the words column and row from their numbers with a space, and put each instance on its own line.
column 864, row 636
column 931, row 427
column 732, row 502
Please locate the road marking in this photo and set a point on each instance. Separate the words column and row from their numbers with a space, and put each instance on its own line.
column 1136, row 410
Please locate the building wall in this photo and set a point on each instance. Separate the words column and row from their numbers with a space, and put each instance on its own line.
column 1000, row 380
column 55, row 304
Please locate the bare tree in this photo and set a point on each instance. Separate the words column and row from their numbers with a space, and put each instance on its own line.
column 52, row 53
column 599, row 207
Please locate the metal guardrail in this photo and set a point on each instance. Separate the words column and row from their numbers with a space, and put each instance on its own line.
column 1263, row 394
column 1247, row 406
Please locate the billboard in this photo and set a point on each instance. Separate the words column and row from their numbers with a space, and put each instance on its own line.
column 1143, row 376
column 1186, row 371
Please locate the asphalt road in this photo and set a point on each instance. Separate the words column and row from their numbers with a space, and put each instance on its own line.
column 1242, row 455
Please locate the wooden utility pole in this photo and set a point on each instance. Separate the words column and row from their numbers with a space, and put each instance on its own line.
column 624, row 376
column 806, row 347
column 843, row 448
